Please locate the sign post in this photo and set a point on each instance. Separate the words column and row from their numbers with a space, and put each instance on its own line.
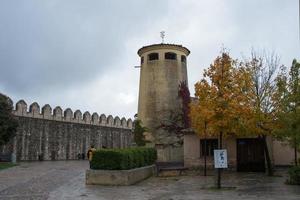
column 220, row 158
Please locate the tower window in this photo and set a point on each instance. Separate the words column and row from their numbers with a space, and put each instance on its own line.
column 153, row 56
column 170, row 56
column 183, row 59
column 142, row 59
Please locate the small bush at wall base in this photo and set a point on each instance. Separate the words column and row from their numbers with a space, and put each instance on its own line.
column 294, row 175
column 122, row 159
column 5, row 165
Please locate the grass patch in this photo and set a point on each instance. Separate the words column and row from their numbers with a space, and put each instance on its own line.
column 5, row 165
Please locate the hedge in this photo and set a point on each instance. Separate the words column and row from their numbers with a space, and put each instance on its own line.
column 294, row 175
column 122, row 159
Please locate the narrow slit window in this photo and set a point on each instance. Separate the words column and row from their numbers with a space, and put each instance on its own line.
column 170, row 56
column 153, row 56
column 183, row 59
column 142, row 59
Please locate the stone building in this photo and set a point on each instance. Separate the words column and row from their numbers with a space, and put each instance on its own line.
column 163, row 68
column 244, row 154
column 64, row 135
column 44, row 134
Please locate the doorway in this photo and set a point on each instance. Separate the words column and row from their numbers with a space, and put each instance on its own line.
column 250, row 155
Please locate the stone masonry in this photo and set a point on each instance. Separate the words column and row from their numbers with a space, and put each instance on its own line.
column 163, row 68
column 63, row 135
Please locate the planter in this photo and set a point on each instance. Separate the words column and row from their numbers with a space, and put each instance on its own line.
column 118, row 177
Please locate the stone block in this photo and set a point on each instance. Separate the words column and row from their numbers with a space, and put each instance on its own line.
column 118, row 177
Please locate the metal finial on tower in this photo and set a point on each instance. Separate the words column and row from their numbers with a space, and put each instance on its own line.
column 162, row 35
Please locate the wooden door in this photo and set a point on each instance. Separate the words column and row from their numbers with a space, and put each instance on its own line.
column 250, row 155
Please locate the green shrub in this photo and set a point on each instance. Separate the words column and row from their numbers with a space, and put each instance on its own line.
column 138, row 133
column 121, row 159
column 294, row 175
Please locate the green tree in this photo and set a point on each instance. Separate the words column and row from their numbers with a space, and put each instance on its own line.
column 8, row 123
column 287, row 97
column 263, row 68
column 138, row 133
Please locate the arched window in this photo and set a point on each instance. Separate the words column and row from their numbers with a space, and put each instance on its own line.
column 170, row 56
column 153, row 56
column 183, row 59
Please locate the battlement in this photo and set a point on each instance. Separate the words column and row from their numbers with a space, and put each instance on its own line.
column 69, row 116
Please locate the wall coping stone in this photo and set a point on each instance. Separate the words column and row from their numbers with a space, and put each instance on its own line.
column 119, row 177
column 67, row 115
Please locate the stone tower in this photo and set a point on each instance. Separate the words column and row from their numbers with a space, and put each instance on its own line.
column 163, row 67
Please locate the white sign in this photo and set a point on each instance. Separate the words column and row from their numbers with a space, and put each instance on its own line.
column 220, row 157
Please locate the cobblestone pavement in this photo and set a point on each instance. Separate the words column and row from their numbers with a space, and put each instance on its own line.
column 60, row 180
column 35, row 180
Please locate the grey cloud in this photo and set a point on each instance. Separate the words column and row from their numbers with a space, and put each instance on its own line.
column 59, row 44
column 79, row 52
column 270, row 24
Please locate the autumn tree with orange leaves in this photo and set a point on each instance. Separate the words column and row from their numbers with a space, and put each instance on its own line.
column 237, row 98
column 223, row 101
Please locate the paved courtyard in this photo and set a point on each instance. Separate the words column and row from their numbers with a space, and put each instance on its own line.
column 66, row 180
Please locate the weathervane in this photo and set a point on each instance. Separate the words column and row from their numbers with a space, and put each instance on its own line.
column 162, row 35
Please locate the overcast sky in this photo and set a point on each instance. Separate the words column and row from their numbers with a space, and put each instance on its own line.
column 81, row 54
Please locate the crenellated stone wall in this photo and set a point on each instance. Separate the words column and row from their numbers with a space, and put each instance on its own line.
column 62, row 135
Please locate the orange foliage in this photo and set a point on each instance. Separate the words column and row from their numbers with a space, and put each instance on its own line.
column 223, row 99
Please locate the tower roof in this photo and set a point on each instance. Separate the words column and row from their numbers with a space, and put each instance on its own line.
column 163, row 46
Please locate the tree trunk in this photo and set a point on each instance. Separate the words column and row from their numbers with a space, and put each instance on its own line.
column 205, row 157
column 219, row 169
column 296, row 157
column 205, row 150
column 267, row 154
column 295, row 153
